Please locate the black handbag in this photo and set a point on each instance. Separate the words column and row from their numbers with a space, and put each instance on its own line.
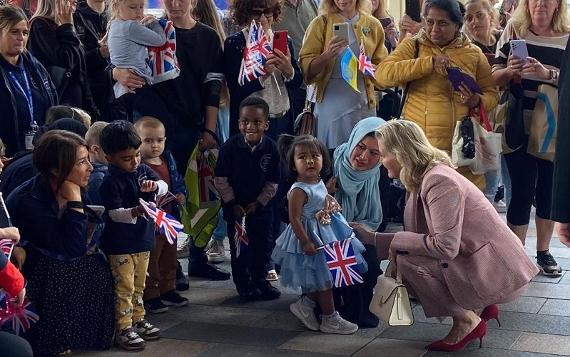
column 514, row 123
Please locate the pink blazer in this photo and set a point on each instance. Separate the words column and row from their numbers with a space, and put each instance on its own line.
column 450, row 220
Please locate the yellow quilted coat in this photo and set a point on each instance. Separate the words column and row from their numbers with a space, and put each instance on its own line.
column 431, row 101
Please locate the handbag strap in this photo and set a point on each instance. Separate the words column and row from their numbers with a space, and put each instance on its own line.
column 389, row 272
column 407, row 87
column 483, row 117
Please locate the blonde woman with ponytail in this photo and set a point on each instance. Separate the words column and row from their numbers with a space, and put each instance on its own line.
column 457, row 255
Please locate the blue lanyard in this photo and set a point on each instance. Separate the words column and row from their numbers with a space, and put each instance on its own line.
column 27, row 93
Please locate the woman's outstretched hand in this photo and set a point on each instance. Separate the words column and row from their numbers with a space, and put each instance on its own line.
column 362, row 232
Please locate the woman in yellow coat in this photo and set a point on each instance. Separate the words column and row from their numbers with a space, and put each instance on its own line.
column 422, row 61
column 338, row 106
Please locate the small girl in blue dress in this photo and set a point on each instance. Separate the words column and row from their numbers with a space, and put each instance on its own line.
column 314, row 222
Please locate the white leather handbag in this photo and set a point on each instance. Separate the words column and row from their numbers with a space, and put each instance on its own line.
column 390, row 301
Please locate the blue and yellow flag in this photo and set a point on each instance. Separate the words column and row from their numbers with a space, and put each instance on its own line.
column 349, row 68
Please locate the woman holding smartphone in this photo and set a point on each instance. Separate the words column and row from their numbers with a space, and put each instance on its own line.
column 380, row 12
column 544, row 25
column 54, row 42
column 339, row 107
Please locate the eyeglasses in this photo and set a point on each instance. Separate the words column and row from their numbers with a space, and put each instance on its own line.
column 255, row 123
column 268, row 13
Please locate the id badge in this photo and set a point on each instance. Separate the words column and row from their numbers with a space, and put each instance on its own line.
column 28, row 139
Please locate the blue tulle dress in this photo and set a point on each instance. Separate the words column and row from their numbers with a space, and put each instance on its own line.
column 311, row 273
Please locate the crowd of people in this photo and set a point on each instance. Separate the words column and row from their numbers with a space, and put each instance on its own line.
column 91, row 134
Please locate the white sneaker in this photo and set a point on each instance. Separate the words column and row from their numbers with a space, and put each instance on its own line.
column 304, row 311
column 338, row 325
column 500, row 206
column 215, row 251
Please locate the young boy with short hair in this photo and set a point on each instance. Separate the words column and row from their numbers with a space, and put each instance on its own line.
column 128, row 237
column 246, row 176
column 160, row 291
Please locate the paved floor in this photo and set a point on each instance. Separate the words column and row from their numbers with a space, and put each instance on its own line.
column 217, row 324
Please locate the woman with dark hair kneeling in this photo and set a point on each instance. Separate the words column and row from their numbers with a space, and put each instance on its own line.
column 72, row 292
column 458, row 262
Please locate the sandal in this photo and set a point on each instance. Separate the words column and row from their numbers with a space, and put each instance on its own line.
column 272, row 275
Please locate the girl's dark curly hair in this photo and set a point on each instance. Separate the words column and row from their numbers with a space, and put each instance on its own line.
column 240, row 10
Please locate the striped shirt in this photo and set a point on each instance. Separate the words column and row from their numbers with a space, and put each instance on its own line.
column 547, row 50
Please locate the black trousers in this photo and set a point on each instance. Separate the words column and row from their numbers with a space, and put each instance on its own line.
column 251, row 265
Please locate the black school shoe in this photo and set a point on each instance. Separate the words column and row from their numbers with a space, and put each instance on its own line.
column 208, row 271
column 268, row 291
column 172, row 298
column 248, row 292
column 155, row 306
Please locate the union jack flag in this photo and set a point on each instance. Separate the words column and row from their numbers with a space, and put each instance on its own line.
column 20, row 317
column 341, row 261
column 162, row 60
column 255, row 54
column 6, row 245
column 164, row 222
column 241, row 237
column 364, row 63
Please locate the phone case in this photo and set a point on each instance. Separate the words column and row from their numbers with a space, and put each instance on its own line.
column 456, row 76
column 280, row 41
column 413, row 10
column 341, row 30
column 385, row 21
column 519, row 49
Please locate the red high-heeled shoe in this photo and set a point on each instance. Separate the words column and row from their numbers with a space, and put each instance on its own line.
column 491, row 312
column 478, row 333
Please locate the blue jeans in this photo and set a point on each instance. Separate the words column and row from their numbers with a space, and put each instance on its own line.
column 221, row 229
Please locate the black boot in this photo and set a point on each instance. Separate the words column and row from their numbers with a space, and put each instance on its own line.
column 198, row 265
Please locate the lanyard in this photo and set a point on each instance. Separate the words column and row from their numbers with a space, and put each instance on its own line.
column 27, row 93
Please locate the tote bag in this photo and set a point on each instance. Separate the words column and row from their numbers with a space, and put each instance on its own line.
column 542, row 133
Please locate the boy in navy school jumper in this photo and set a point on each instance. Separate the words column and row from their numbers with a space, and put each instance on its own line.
column 160, row 291
column 246, row 176
column 128, row 236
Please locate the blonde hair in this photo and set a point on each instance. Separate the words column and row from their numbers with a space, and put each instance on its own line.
column 491, row 11
column 205, row 12
column 381, row 11
column 409, row 144
column 149, row 122
column 93, row 135
column 328, row 6
column 46, row 8
column 84, row 117
column 522, row 22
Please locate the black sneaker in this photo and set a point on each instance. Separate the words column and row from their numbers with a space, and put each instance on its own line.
column 146, row 330
column 172, row 298
column 204, row 270
column 248, row 292
column 155, row 306
column 268, row 291
column 548, row 265
column 129, row 340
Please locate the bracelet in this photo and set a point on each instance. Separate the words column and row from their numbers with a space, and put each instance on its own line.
column 75, row 204
column 375, row 237
column 212, row 134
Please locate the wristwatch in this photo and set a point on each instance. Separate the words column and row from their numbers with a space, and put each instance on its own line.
column 75, row 204
column 553, row 74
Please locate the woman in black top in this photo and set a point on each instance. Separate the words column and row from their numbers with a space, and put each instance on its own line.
column 55, row 44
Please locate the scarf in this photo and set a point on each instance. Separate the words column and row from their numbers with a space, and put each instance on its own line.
column 359, row 194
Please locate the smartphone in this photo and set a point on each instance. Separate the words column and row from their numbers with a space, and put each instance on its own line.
column 385, row 21
column 341, row 30
column 280, row 41
column 413, row 10
column 457, row 77
column 519, row 49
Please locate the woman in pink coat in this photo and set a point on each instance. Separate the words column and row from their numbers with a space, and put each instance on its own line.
column 456, row 255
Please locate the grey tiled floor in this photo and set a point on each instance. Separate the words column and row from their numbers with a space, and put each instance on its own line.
column 217, row 324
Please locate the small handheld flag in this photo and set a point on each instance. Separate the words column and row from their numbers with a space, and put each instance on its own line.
column 364, row 63
column 241, row 239
column 341, row 261
column 164, row 222
column 255, row 54
column 349, row 68
column 20, row 318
